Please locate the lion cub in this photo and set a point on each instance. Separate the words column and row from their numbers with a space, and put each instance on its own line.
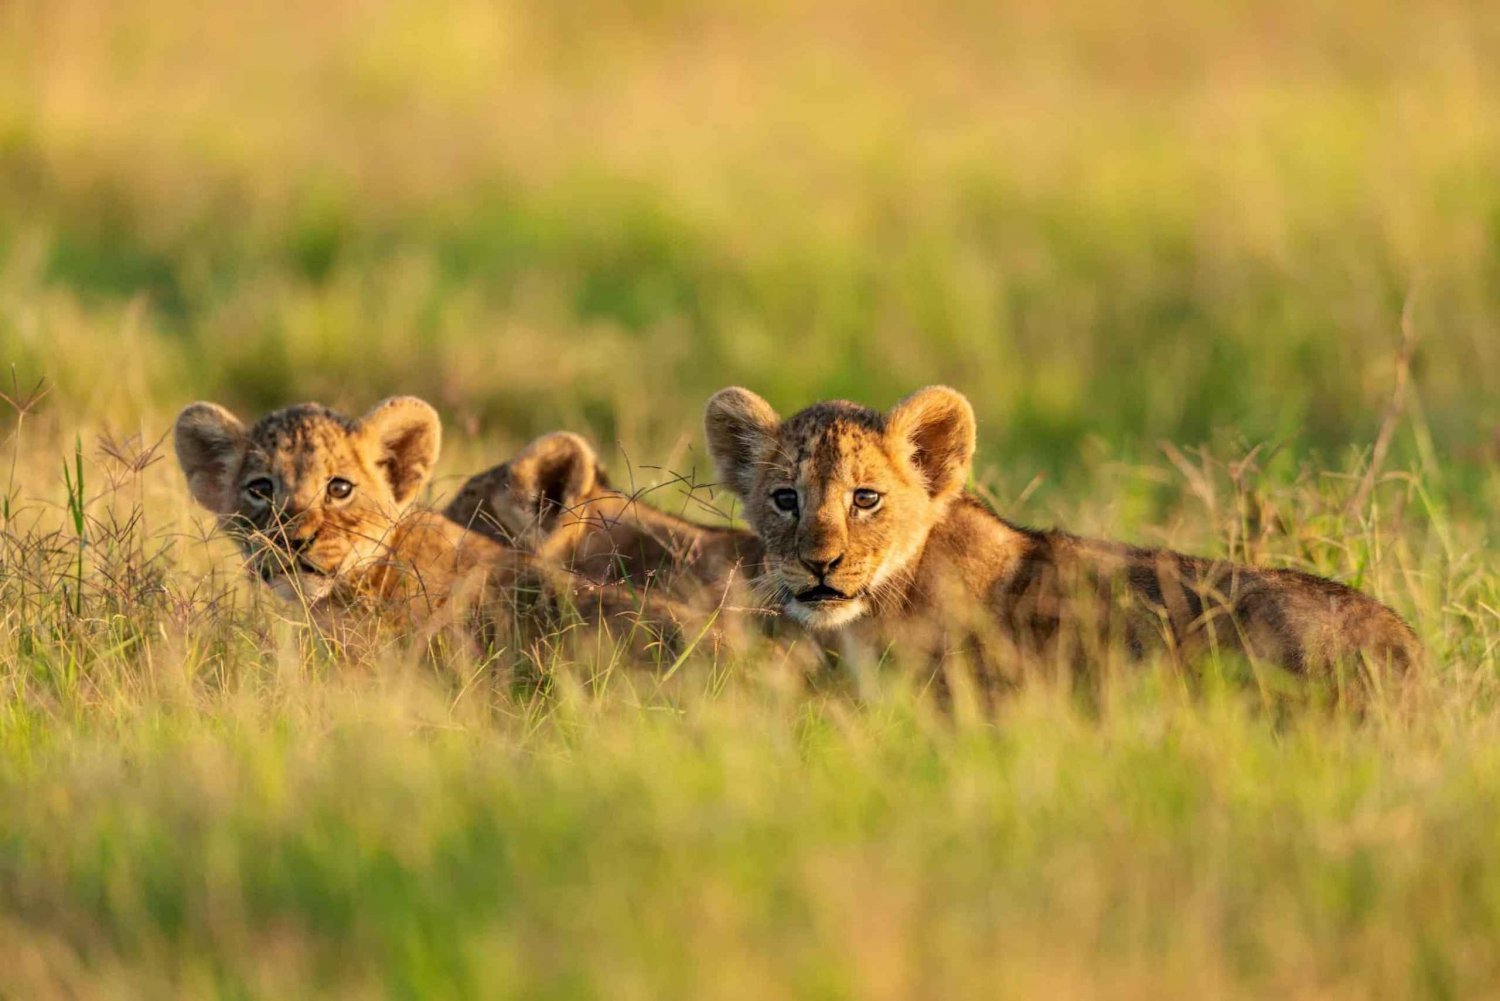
column 554, row 499
column 868, row 530
column 323, row 508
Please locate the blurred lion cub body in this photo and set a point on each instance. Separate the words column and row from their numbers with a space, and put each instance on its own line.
column 868, row 529
column 554, row 499
column 323, row 508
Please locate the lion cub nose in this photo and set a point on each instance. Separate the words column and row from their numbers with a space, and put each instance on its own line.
column 822, row 568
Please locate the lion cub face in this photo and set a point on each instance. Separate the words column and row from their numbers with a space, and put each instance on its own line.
column 841, row 495
column 308, row 493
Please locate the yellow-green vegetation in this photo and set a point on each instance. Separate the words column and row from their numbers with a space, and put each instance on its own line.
column 1126, row 230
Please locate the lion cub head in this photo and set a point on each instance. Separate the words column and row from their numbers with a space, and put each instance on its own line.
column 841, row 495
column 546, row 485
column 308, row 493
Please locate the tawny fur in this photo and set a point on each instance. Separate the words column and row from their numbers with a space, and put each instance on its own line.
column 374, row 552
column 930, row 566
column 554, row 499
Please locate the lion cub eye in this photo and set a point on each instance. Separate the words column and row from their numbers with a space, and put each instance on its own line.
column 785, row 500
column 261, row 488
column 865, row 498
column 340, row 488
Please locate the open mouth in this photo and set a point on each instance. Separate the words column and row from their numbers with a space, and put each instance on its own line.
column 821, row 593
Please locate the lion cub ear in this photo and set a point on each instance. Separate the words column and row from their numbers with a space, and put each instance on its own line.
column 405, row 433
column 935, row 428
column 741, row 431
column 554, row 474
column 211, row 446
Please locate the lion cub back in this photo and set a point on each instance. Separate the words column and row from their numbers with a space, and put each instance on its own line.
column 1190, row 607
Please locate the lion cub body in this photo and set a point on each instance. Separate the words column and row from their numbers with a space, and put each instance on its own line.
column 554, row 499
column 869, row 534
column 323, row 508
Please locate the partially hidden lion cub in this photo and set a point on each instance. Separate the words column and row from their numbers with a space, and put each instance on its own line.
column 553, row 498
column 323, row 507
column 869, row 533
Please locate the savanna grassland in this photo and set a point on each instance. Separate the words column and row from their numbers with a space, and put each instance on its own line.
column 1165, row 248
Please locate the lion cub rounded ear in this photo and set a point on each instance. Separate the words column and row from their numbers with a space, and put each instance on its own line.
column 741, row 431
column 935, row 428
column 554, row 474
column 406, row 433
column 211, row 445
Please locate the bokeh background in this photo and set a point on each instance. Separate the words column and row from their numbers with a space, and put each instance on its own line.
column 1106, row 222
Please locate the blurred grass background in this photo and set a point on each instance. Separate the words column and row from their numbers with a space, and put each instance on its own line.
column 1111, row 224
column 1125, row 220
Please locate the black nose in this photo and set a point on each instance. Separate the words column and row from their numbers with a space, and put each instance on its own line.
column 299, row 543
column 822, row 568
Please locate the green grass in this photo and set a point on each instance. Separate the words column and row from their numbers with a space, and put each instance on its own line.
column 1116, row 227
column 759, row 845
